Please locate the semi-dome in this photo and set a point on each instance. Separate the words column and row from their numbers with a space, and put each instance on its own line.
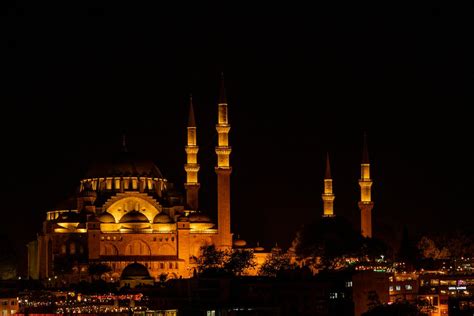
column 199, row 218
column 124, row 164
column 134, row 217
column 162, row 218
column 106, row 217
column 135, row 271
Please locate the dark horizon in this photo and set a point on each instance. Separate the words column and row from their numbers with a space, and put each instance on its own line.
column 299, row 83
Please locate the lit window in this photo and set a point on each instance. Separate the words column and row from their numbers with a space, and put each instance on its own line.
column 390, row 288
column 408, row 287
column 332, row 295
column 349, row 284
column 398, row 287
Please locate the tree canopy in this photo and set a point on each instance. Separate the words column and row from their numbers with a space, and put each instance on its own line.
column 330, row 239
column 229, row 262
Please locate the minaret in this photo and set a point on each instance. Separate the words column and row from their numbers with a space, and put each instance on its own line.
column 365, row 203
column 223, row 170
column 328, row 196
column 191, row 166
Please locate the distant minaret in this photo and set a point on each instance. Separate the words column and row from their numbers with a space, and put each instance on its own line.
column 191, row 166
column 328, row 196
column 365, row 203
column 223, row 170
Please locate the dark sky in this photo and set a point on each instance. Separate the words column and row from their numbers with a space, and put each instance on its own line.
column 301, row 80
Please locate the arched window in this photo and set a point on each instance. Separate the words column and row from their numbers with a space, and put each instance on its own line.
column 137, row 248
column 72, row 248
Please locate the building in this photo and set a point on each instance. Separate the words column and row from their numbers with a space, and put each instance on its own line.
column 8, row 298
column 126, row 213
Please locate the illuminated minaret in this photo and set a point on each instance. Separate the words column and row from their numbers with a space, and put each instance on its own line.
column 223, row 170
column 328, row 196
column 191, row 166
column 365, row 203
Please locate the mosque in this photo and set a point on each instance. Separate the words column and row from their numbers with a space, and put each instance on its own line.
column 127, row 216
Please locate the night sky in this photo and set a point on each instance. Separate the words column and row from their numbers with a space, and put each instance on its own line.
column 300, row 81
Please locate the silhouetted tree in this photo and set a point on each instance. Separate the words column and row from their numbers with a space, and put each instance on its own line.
column 373, row 300
column 408, row 252
column 328, row 240
column 7, row 259
column 97, row 269
column 62, row 265
column 238, row 260
column 233, row 262
column 395, row 309
column 276, row 262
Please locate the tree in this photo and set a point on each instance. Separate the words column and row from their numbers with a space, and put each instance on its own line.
column 326, row 240
column 275, row 263
column 97, row 269
column 8, row 259
column 429, row 250
column 408, row 252
column 233, row 262
column 373, row 300
column 211, row 260
column 395, row 309
column 238, row 260
column 62, row 265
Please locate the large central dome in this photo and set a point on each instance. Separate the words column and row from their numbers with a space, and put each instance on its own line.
column 124, row 164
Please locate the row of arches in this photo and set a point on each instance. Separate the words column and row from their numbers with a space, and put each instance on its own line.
column 136, row 248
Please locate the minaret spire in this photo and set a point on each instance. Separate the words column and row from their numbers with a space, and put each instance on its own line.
column 328, row 168
column 124, row 143
column 365, row 152
column 191, row 167
column 191, row 120
column 223, row 170
column 328, row 196
column 365, row 183
column 222, row 94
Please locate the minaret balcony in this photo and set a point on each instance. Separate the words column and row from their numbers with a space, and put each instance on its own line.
column 223, row 128
column 191, row 167
column 223, row 150
column 191, row 149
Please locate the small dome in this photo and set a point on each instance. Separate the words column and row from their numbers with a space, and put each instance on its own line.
column 106, row 217
column 258, row 248
column 199, row 218
column 135, row 271
column 162, row 218
column 134, row 217
column 240, row 243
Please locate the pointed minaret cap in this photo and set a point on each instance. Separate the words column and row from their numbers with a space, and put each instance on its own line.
column 328, row 168
column 191, row 120
column 222, row 95
column 365, row 151
column 124, row 143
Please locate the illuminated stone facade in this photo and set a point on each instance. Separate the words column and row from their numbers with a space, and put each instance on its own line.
column 125, row 212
